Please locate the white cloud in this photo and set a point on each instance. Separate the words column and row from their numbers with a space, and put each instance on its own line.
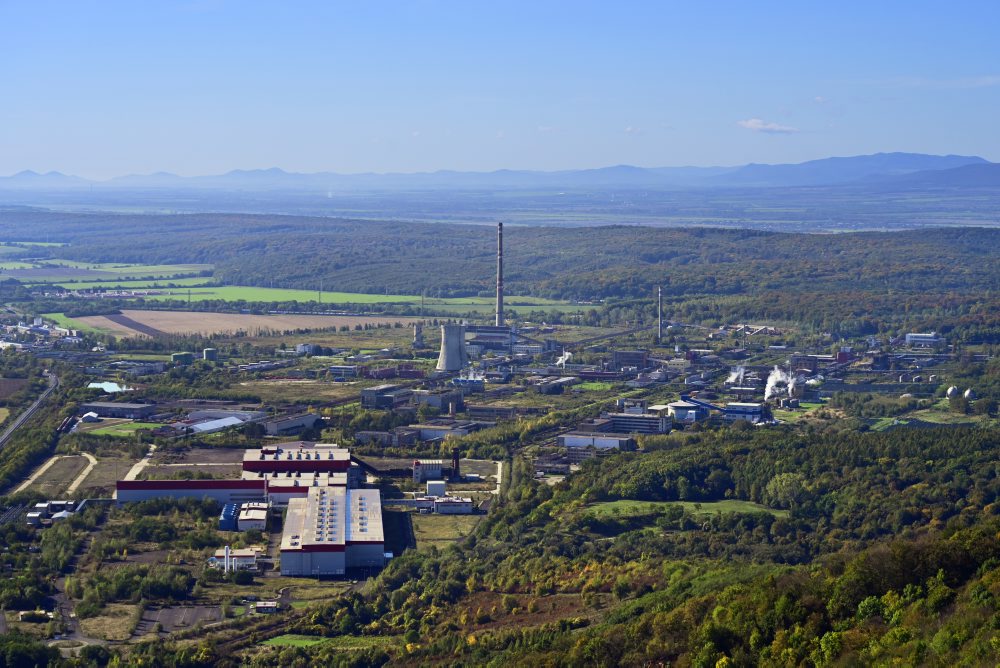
column 631, row 130
column 819, row 99
column 759, row 125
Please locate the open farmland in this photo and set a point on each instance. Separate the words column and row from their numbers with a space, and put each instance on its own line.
column 55, row 271
column 190, row 322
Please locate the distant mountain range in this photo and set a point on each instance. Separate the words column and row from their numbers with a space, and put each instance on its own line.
column 882, row 170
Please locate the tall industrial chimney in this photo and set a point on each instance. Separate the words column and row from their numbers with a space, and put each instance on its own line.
column 499, row 275
column 659, row 314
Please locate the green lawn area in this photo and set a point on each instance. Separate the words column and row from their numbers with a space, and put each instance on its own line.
column 594, row 387
column 4, row 413
column 294, row 640
column 340, row 642
column 123, row 430
column 627, row 507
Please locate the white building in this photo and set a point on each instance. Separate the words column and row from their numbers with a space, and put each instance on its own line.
column 331, row 530
column 252, row 516
column 427, row 469
column 453, row 506
column 923, row 340
column 239, row 560
column 597, row 439
column 436, row 488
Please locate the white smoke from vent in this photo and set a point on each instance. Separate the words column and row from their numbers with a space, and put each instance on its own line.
column 778, row 377
column 565, row 357
column 736, row 375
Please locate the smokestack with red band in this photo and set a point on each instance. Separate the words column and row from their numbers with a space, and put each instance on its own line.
column 499, row 275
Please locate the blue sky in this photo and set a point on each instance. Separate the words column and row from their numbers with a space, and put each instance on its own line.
column 101, row 89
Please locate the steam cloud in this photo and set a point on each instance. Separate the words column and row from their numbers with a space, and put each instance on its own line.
column 779, row 376
column 736, row 375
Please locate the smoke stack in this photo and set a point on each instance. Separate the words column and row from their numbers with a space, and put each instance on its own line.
column 659, row 314
column 499, row 275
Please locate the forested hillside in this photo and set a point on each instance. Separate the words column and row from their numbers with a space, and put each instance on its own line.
column 569, row 263
column 867, row 548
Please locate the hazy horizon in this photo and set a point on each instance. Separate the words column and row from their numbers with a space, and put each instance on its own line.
column 112, row 89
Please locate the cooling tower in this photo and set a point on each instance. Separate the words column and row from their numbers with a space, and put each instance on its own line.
column 452, row 357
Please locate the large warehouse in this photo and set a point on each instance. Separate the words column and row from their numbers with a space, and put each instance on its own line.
column 331, row 530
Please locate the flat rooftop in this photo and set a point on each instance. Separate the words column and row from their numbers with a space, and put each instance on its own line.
column 333, row 516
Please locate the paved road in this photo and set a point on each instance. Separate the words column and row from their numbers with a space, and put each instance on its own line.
column 23, row 417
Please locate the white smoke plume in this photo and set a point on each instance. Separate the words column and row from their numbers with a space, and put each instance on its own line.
column 565, row 357
column 779, row 375
column 736, row 375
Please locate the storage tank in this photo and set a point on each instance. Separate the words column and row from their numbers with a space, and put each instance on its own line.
column 210, row 354
column 952, row 392
column 452, row 356
column 182, row 358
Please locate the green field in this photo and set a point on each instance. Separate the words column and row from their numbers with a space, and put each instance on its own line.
column 125, row 430
column 137, row 285
column 340, row 642
column 294, row 640
column 254, row 294
column 63, row 320
column 626, row 507
column 61, row 271
column 594, row 387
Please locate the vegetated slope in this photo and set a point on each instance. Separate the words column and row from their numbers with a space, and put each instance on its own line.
column 576, row 263
column 890, row 552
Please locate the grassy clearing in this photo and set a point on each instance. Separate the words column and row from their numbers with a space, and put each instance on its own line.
column 57, row 477
column 4, row 414
column 594, row 387
column 442, row 530
column 627, row 507
column 294, row 640
column 117, row 622
column 123, row 430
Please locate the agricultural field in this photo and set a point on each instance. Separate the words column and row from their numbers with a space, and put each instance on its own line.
column 138, row 285
column 149, row 323
column 340, row 642
column 237, row 293
column 57, row 271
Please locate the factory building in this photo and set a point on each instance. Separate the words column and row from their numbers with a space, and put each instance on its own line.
column 385, row 397
column 119, row 410
column 625, row 359
column 598, row 440
column 302, row 457
column 427, row 469
column 291, row 424
column 451, row 505
column 685, row 411
column 638, row 423
column 332, row 530
column 223, row 491
column 252, row 516
column 747, row 412
column 923, row 340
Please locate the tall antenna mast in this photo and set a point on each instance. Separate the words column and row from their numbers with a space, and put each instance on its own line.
column 659, row 314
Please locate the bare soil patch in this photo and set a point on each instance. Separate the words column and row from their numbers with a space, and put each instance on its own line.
column 144, row 323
